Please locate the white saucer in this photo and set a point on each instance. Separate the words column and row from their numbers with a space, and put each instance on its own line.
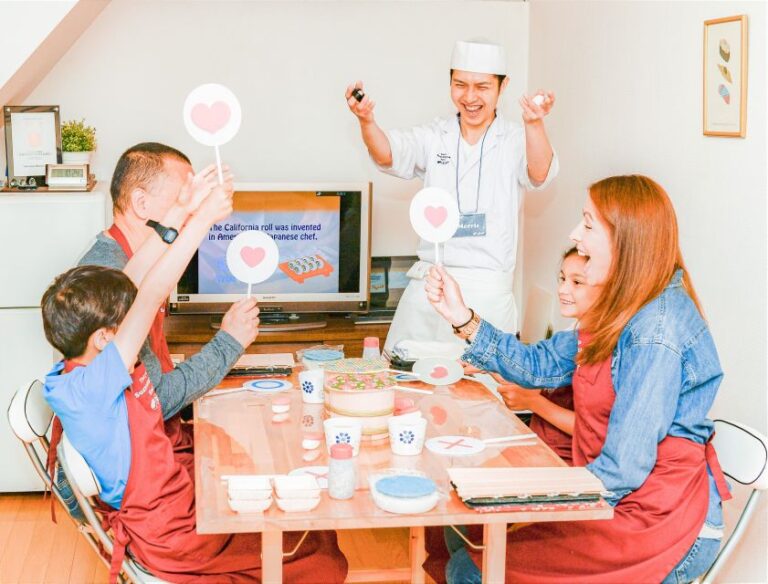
column 319, row 472
column 267, row 385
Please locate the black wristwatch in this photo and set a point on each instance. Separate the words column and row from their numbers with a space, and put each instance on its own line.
column 167, row 234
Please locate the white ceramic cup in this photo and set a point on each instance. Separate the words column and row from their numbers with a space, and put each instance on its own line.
column 406, row 435
column 311, row 384
column 343, row 430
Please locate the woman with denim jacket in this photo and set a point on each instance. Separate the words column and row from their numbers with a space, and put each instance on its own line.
column 645, row 372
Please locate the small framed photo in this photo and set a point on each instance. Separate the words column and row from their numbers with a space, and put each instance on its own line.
column 32, row 140
column 725, row 76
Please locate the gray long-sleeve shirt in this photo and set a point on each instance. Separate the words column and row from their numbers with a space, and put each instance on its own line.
column 193, row 377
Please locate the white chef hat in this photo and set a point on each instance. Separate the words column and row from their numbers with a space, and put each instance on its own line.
column 479, row 56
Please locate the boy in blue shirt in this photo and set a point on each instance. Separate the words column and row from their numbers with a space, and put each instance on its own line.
column 108, row 407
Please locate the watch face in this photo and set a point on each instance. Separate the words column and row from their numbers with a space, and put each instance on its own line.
column 170, row 235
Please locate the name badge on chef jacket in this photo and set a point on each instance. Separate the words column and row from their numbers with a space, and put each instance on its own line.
column 471, row 225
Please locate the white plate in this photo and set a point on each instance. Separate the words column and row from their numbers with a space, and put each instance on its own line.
column 297, row 487
column 405, row 506
column 258, row 506
column 319, row 472
column 249, row 487
column 268, row 385
column 297, row 505
column 455, row 445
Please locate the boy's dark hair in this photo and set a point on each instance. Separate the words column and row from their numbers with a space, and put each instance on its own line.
column 501, row 78
column 81, row 301
column 138, row 167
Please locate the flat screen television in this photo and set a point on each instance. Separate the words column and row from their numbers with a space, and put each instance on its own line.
column 323, row 233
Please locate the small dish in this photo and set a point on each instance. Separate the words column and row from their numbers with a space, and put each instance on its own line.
column 298, row 505
column 249, row 487
column 297, row 487
column 311, row 440
column 402, row 505
column 250, row 506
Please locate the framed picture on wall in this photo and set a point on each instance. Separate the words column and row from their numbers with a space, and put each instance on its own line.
column 32, row 140
column 725, row 76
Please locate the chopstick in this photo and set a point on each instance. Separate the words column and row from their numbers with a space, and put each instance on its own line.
column 412, row 389
column 518, row 437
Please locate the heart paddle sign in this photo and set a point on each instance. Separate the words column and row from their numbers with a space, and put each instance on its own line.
column 252, row 257
column 212, row 116
column 438, row 370
column 435, row 216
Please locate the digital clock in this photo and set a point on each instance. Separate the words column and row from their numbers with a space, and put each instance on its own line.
column 67, row 177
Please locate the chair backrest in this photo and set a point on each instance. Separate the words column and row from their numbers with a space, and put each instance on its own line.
column 743, row 456
column 78, row 472
column 29, row 415
column 742, row 452
column 537, row 319
column 85, row 485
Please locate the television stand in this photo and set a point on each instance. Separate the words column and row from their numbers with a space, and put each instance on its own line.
column 275, row 322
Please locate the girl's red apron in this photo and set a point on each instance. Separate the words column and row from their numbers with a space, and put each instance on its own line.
column 180, row 434
column 156, row 519
column 559, row 441
column 652, row 528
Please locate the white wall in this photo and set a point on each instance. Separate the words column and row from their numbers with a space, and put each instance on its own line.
column 628, row 81
column 289, row 63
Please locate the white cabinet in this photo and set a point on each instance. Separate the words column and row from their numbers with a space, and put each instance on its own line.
column 41, row 235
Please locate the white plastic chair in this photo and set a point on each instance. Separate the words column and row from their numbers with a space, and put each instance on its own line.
column 743, row 456
column 29, row 417
column 85, row 486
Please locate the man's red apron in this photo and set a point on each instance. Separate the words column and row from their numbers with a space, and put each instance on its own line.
column 652, row 528
column 156, row 519
column 559, row 441
column 180, row 434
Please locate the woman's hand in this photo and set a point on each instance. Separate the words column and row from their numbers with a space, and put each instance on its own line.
column 445, row 295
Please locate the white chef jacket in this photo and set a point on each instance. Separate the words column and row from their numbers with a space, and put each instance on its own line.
column 483, row 265
column 429, row 152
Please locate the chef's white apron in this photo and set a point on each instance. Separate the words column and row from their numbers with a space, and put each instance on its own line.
column 488, row 292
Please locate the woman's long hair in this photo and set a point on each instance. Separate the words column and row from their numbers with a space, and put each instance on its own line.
column 646, row 254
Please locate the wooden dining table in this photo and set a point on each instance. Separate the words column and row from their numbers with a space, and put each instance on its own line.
column 237, row 433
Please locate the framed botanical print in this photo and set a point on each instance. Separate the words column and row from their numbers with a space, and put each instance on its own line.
column 725, row 76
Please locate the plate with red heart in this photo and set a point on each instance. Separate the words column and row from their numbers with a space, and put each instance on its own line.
column 252, row 257
column 438, row 371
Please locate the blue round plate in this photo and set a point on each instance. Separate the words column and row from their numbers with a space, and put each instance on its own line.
column 406, row 486
column 268, row 385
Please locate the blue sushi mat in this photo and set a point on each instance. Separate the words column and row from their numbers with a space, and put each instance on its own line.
column 406, row 486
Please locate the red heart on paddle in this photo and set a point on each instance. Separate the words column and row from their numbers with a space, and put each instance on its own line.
column 211, row 118
column 252, row 256
column 439, row 372
column 436, row 215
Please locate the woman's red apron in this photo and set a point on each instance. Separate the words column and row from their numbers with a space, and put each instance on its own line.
column 559, row 441
column 652, row 528
column 179, row 434
column 156, row 519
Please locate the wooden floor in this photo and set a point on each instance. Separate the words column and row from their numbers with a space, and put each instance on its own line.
column 34, row 550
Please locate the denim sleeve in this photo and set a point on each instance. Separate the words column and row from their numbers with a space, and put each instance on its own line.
column 193, row 377
column 647, row 385
column 548, row 363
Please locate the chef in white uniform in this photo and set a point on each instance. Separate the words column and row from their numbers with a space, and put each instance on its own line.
column 485, row 161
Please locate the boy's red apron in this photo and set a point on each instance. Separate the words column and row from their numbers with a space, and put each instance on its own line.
column 559, row 441
column 156, row 520
column 179, row 434
column 652, row 528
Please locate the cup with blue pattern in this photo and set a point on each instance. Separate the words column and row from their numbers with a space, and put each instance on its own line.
column 311, row 385
column 342, row 430
column 406, row 435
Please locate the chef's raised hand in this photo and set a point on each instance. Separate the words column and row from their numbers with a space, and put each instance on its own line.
column 362, row 109
column 535, row 107
column 445, row 296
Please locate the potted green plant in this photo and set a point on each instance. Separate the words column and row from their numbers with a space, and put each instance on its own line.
column 78, row 142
